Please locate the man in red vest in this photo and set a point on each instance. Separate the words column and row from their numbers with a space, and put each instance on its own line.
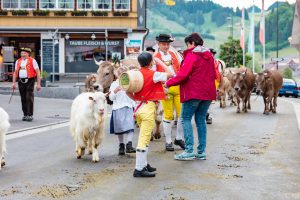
column 26, row 71
column 172, row 61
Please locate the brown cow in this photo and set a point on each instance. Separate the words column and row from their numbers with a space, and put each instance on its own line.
column 225, row 87
column 243, row 83
column 269, row 83
column 91, row 84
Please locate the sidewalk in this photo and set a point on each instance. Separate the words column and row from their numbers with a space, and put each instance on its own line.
column 57, row 90
column 46, row 111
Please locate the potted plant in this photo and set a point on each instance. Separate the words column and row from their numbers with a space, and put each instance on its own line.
column 121, row 13
column 44, row 76
column 79, row 13
column 41, row 12
column 60, row 13
column 20, row 12
column 3, row 12
column 99, row 13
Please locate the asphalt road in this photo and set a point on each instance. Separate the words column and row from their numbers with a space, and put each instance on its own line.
column 249, row 156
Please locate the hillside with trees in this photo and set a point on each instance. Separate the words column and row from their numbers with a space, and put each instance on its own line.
column 213, row 22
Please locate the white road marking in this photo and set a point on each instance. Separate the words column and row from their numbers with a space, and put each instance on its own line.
column 38, row 129
column 296, row 109
column 35, row 130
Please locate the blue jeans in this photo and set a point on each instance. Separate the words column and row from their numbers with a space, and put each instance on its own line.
column 199, row 108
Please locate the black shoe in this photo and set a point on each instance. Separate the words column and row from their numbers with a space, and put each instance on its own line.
column 150, row 169
column 143, row 173
column 209, row 120
column 29, row 118
column 129, row 148
column 180, row 143
column 24, row 118
column 122, row 149
column 169, row 147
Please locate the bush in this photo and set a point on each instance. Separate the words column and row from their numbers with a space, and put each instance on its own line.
column 121, row 13
column 79, row 13
column 20, row 12
column 60, row 13
column 3, row 12
column 288, row 73
column 99, row 13
column 41, row 12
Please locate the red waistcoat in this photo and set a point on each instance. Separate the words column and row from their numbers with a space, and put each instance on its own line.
column 175, row 61
column 31, row 73
column 150, row 91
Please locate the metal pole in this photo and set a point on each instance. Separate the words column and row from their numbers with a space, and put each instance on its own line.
column 53, row 59
column 277, row 38
column 253, row 42
column 106, row 44
column 243, row 26
column 232, row 40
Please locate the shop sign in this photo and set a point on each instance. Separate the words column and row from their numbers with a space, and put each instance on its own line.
column 8, row 54
column 93, row 43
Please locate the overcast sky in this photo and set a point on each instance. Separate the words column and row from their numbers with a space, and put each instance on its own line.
column 247, row 3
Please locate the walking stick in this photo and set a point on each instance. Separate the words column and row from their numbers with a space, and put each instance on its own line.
column 11, row 95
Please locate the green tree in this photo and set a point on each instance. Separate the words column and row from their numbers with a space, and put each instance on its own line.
column 232, row 54
column 288, row 73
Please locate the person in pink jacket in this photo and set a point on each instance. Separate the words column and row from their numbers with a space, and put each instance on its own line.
column 197, row 90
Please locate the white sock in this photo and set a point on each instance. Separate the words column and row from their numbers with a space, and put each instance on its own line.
column 146, row 160
column 179, row 135
column 121, row 138
column 168, row 130
column 141, row 159
column 129, row 137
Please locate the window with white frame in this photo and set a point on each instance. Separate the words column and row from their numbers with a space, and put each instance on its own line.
column 19, row 4
column 122, row 5
column 66, row 4
column 57, row 4
column 28, row 4
column 47, row 4
column 85, row 4
column 102, row 4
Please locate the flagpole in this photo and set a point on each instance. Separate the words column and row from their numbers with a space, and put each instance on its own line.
column 264, row 43
column 243, row 24
column 253, row 42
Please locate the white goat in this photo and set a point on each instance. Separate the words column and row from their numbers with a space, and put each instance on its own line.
column 4, row 126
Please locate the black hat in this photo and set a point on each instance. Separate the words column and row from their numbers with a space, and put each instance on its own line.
column 144, row 59
column 164, row 38
column 212, row 51
column 150, row 49
column 28, row 50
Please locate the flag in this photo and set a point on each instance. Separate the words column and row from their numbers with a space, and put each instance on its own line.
column 242, row 39
column 251, row 33
column 262, row 25
column 170, row 2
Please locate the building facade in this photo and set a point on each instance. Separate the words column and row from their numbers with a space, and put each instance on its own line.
column 65, row 35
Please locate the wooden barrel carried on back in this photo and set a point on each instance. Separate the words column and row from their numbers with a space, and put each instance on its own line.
column 132, row 81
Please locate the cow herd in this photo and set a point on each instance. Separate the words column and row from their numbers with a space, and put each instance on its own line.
column 239, row 83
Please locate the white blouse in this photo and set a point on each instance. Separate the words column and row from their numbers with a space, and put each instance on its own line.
column 120, row 99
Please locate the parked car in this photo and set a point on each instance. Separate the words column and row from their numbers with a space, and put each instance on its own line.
column 289, row 88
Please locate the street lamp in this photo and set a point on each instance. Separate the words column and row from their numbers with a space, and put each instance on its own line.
column 54, row 39
column 67, row 37
column 93, row 36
